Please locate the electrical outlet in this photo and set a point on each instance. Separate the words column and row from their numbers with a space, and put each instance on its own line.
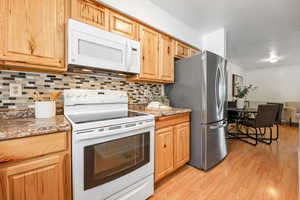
column 15, row 90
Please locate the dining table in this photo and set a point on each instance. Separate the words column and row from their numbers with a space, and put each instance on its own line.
column 240, row 115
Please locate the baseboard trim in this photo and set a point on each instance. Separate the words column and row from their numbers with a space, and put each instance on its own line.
column 299, row 173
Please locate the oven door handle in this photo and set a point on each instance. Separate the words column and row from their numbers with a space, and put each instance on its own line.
column 93, row 134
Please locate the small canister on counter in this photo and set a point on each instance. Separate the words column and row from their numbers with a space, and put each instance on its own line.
column 45, row 107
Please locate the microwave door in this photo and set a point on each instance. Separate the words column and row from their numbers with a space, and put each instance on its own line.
column 90, row 50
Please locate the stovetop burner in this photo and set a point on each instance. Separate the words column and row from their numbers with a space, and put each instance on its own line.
column 95, row 117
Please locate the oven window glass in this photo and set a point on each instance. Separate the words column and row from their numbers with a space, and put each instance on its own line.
column 110, row 160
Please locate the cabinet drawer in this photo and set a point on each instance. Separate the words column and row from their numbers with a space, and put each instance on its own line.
column 25, row 148
column 181, row 50
column 171, row 120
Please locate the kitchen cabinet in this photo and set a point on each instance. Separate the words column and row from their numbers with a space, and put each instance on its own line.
column 41, row 171
column 122, row 25
column 181, row 144
column 157, row 57
column 194, row 51
column 40, row 179
column 149, row 53
column 32, row 35
column 166, row 59
column 164, row 152
column 181, row 50
column 90, row 12
column 172, row 144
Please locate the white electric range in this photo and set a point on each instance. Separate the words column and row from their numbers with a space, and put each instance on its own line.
column 112, row 148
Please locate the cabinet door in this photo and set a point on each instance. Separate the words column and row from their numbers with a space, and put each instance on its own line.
column 41, row 179
column 166, row 58
column 164, row 152
column 90, row 12
column 194, row 52
column 181, row 144
column 149, row 53
column 123, row 26
column 181, row 50
column 32, row 33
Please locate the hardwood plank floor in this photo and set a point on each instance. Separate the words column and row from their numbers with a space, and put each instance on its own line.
column 248, row 173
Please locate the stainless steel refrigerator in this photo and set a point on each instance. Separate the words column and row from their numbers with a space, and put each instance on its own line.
column 201, row 84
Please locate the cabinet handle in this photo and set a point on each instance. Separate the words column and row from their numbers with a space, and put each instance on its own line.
column 31, row 45
column 165, row 146
column 168, row 50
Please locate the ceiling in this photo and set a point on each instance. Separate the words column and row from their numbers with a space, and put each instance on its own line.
column 254, row 27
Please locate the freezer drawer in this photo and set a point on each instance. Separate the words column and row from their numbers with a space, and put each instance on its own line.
column 214, row 143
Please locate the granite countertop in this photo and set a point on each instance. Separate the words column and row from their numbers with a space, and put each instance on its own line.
column 25, row 127
column 159, row 113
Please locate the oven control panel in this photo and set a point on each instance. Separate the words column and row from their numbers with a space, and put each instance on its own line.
column 86, row 97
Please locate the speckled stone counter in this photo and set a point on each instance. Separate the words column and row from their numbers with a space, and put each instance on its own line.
column 25, row 127
column 159, row 113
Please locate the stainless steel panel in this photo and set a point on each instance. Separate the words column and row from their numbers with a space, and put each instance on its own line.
column 215, row 144
column 216, row 87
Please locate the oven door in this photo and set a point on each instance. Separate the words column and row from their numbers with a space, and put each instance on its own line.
column 107, row 165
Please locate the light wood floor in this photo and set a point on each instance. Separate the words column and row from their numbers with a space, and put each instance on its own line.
column 248, row 173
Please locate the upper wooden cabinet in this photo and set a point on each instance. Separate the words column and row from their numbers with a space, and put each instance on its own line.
column 166, row 58
column 90, row 12
column 32, row 34
column 181, row 50
column 122, row 25
column 194, row 51
column 149, row 53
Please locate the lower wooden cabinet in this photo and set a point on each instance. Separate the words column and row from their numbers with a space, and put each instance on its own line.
column 164, row 152
column 45, row 177
column 172, row 144
column 181, row 144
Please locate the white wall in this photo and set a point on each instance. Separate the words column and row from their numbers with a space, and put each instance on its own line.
column 150, row 14
column 215, row 42
column 278, row 84
column 233, row 69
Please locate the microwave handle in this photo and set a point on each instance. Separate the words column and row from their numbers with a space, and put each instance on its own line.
column 128, row 55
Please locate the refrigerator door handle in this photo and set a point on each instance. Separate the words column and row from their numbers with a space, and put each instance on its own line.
column 217, row 86
column 218, row 126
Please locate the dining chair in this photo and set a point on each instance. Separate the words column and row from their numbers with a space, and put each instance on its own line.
column 278, row 118
column 264, row 119
column 232, row 116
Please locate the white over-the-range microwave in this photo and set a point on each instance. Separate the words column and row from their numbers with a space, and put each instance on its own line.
column 92, row 47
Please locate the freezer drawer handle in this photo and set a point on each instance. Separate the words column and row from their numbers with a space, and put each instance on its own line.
column 218, row 126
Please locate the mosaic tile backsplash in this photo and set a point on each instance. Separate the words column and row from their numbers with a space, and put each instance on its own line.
column 139, row 93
